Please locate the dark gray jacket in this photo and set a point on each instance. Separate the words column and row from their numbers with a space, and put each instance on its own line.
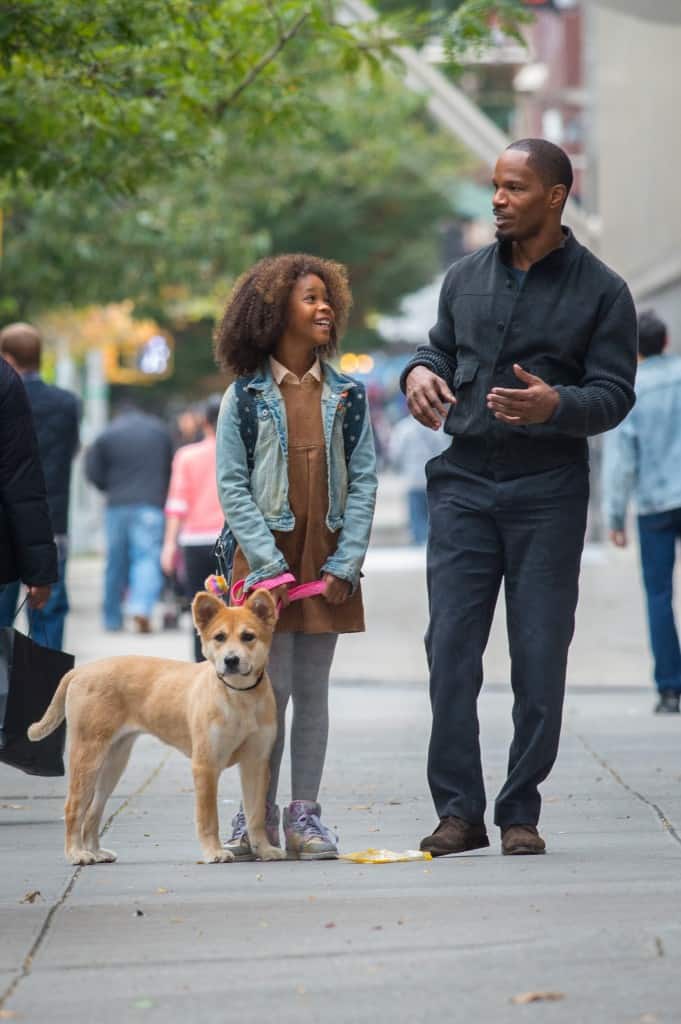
column 572, row 323
column 56, row 414
column 130, row 461
column 27, row 549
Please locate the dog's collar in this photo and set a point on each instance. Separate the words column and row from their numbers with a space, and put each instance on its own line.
column 243, row 689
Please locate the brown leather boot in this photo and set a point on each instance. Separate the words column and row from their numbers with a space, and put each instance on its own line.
column 521, row 839
column 454, row 835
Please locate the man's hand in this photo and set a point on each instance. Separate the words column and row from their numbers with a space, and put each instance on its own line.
column 618, row 538
column 428, row 397
column 337, row 591
column 38, row 597
column 534, row 404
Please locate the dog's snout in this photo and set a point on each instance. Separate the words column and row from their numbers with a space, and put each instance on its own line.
column 232, row 662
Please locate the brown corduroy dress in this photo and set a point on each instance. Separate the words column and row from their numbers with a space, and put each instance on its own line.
column 310, row 543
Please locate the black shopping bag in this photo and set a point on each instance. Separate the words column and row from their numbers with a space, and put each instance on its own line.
column 29, row 676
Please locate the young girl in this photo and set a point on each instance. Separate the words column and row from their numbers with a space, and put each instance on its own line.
column 297, row 482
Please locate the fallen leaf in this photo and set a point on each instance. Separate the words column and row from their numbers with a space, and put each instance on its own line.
column 312, row 899
column 537, row 997
column 377, row 928
column 161, row 890
column 648, row 1018
column 330, row 924
column 13, row 807
column 31, row 896
column 361, row 807
column 176, row 920
column 301, row 990
column 143, row 1004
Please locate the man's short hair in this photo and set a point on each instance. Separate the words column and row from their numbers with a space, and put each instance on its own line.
column 24, row 344
column 652, row 333
column 550, row 162
column 212, row 410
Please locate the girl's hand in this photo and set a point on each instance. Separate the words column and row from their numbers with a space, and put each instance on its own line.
column 337, row 591
column 280, row 594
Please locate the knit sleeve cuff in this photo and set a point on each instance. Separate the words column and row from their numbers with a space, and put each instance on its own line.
column 432, row 360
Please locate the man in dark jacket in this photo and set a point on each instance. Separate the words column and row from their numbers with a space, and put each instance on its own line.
column 27, row 549
column 130, row 462
column 534, row 350
column 56, row 414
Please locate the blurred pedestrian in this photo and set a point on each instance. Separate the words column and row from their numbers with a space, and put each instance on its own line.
column 411, row 446
column 297, row 484
column 193, row 513
column 130, row 463
column 642, row 458
column 534, row 350
column 56, row 414
column 27, row 549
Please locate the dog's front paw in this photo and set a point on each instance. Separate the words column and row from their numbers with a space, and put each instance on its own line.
column 266, row 852
column 218, row 856
column 105, row 856
column 81, row 857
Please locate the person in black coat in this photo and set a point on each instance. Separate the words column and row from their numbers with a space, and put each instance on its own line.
column 27, row 549
column 56, row 415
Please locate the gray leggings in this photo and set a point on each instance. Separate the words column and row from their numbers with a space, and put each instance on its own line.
column 299, row 667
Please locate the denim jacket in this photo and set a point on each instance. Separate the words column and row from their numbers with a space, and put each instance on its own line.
column 643, row 456
column 257, row 503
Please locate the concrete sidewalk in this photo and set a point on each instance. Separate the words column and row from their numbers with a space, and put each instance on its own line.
column 159, row 937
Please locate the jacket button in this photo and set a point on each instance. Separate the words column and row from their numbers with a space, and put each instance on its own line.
column 500, row 325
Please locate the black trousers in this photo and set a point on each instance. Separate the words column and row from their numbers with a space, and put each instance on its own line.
column 528, row 531
column 199, row 562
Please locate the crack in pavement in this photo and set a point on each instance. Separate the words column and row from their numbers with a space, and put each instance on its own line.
column 27, row 964
column 666, row 823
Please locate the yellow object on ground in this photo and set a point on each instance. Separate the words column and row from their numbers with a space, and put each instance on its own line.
column 372, row 856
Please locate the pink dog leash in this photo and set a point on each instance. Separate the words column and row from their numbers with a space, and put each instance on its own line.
column 295, row 593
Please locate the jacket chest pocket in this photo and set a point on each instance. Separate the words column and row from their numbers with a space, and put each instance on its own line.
column 466, row 391
column 465, row 373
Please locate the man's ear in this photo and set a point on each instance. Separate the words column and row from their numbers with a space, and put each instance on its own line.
column 204, row 608
column 261, row 603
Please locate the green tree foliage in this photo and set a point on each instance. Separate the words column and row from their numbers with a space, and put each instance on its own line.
column 152, row 150
column 364, row 183
column 120, row 91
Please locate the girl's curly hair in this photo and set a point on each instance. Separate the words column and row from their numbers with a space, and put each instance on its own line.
column 255, row 317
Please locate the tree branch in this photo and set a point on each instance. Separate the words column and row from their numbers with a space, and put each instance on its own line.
column 267, row 58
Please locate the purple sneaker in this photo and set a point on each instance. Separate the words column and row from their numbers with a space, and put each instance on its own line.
column 239, row 843
column 306, row 837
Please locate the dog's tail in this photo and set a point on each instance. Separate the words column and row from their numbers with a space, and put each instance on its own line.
column 55, row 713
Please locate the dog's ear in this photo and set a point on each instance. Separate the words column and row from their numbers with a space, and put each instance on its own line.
column 261, row 603
column 204, row 608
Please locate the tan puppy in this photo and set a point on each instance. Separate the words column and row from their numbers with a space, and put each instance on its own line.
column 217, row 713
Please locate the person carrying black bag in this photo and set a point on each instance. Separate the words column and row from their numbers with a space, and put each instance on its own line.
column 29, row 673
